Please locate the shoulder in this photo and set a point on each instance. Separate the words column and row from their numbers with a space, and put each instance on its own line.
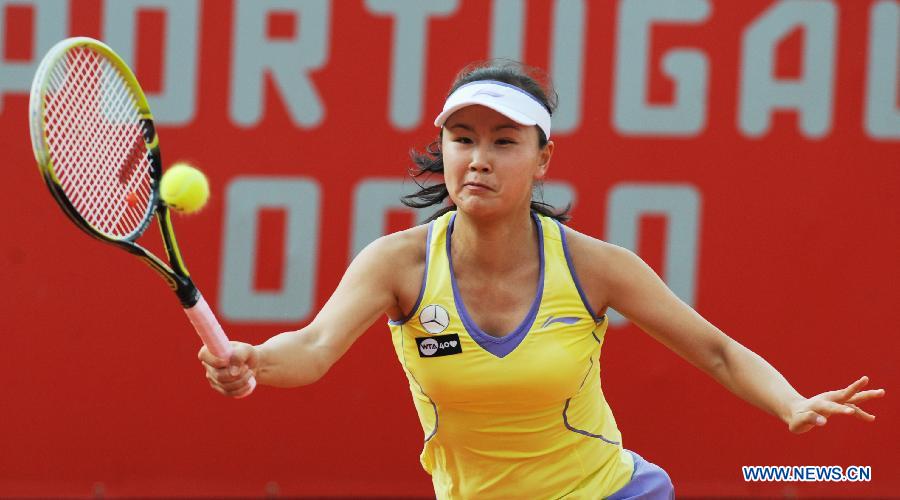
column 588, row 249
column 600, row 265
column 395, row 250
column 397, row 261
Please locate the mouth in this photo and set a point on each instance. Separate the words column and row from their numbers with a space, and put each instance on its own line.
column 477, row 186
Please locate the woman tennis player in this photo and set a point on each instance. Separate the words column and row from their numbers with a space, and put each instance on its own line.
column 498, row 313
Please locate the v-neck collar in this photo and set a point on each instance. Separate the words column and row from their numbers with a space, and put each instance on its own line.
column 498, row 346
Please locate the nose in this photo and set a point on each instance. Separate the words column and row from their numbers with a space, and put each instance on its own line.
column 480, row 161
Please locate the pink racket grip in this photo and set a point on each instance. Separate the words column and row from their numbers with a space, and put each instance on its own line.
column 212, row 335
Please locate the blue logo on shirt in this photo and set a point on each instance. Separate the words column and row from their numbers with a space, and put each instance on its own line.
column 569, row 320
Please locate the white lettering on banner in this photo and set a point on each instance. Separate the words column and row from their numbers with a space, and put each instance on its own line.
column 811, row 95
column 567, row 62
column 882, row 114
column 288, row 62
column 633, row 115
column 410, row 44
column 507, row 30
column 244, row 198
column 51, row 23
column 566, row 49
column 176, row 103
column 680, row 204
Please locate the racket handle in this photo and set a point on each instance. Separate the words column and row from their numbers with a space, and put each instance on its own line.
column 212, row 335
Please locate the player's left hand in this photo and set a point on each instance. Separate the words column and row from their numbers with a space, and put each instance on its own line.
column 808, row 413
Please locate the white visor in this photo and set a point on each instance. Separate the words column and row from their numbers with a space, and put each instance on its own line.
column 508, row 100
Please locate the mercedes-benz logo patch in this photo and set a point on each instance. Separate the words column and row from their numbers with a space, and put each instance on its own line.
column 434, row 319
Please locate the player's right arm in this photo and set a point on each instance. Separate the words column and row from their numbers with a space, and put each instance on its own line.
column 369, row 288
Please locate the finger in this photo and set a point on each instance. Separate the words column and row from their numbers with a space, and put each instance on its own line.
column 220, row 376
column 234, row 389
column 208, row 367
column 236, row 385
column 242, row 358
column 207, row 357
column 829, row 408
column 240, row 390
column 240, row 353
column 243, row 393
column 866, row 395
column 214, row 383
column 862, row 414
column 806, row 421
column 845, row 394
column 230, row 373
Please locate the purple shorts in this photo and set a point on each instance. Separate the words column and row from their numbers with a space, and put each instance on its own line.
column 648, row 481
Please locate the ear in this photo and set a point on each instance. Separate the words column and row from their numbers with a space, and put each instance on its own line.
column 544, row 156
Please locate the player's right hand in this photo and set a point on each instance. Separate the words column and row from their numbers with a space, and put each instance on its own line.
column 231, row 377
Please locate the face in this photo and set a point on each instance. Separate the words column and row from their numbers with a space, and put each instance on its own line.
column 490, row 161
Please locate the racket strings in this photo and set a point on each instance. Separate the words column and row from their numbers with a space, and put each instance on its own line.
column 111, row 212
column 87, row 195
column 95, row 134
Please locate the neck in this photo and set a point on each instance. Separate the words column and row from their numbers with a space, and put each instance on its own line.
column 494, row 245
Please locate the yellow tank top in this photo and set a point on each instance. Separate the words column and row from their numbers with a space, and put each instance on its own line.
column 521, row 415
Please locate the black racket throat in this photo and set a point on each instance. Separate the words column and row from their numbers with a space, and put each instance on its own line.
column 183, row 287
column 176, row 273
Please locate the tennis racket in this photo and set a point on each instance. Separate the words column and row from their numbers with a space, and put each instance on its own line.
column 96, row 146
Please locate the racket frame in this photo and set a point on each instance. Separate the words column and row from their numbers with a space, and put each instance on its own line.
column 175, row 273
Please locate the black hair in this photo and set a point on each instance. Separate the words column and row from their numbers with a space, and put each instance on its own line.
column 430, row 161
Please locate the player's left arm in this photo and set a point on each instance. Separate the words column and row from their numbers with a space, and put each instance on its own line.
column 621, row 280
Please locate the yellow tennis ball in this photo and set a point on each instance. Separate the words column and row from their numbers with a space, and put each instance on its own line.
column 184, row 188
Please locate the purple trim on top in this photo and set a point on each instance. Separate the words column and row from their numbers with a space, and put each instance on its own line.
column 436, row 419
column 566, row 409
column 424, row 280
column 498, row 346
column 584, row 299
column 433, row 405
column 579, row 431
column 590, row 367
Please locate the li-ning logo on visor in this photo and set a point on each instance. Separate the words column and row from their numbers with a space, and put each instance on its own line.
column 487, row 92
column 434, row 319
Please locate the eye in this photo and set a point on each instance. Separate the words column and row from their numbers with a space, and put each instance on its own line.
column 463, row 140
column 505, row 142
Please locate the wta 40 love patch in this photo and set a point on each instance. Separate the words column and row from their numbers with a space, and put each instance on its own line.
column 438, row 345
